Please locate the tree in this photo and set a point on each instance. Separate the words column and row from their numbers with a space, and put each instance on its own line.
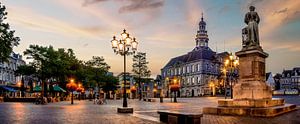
column 140, row 69
column 59, row 65
column 110, row 84
column 7, row 36
column 25, row 70
column 53, row 65
column 97, row 69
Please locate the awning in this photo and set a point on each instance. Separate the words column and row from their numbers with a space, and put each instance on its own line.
column 58, row 89
column 8, row 89
column 55, row 89
column 37, row 89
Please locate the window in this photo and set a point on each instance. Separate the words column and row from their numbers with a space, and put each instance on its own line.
column 187, row 92
column 174, row 71
column 193, row 80
column 192, row 68
column 207, row 67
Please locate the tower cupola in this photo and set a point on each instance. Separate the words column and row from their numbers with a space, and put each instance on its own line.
column 202, row 37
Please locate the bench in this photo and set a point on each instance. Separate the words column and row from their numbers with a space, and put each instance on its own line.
column 174, row 117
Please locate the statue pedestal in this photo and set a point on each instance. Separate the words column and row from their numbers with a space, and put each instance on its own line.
column 251, row 95
column 252, row 77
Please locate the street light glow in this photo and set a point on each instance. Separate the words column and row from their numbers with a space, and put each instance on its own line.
column 226, row 62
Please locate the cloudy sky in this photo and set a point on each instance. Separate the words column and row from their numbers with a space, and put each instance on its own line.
column 164, row 28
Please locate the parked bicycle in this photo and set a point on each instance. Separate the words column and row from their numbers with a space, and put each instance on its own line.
column 40, row 100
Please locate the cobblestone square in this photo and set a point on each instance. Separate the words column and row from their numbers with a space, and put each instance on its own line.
column 144, row 112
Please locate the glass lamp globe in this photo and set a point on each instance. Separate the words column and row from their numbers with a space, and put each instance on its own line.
column 128, row 41
column 134, row 44
column 124, row 35
column 121, row 47
column 114, row 43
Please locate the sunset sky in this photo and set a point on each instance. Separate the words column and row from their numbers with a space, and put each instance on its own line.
column 164, row 28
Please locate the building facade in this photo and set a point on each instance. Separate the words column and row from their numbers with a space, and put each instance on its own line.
column 148, row 86
column 197, row 71
column 7, row 70
column 290, row 79
column 270, row 80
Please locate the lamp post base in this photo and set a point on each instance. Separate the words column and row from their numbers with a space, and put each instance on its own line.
column 125, row 110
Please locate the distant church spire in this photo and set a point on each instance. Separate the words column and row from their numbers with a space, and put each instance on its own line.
column 202, row 37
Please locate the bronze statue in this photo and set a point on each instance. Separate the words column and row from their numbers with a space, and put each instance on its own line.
column 250, row 33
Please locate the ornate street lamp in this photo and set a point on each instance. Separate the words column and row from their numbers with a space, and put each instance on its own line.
column 71, row 86
column 224, row 71
column 80, row 89
column 231, row 65
column 133, row 91
column 174, row 87
column 125, row 46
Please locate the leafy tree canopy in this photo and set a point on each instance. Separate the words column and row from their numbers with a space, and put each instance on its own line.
column 7, row 36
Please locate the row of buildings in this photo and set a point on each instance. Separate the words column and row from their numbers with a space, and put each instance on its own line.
column 287, row 82
column 290, row 79
column 149, row 87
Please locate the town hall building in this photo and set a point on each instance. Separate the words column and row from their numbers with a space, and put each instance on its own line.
column 197, row 71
